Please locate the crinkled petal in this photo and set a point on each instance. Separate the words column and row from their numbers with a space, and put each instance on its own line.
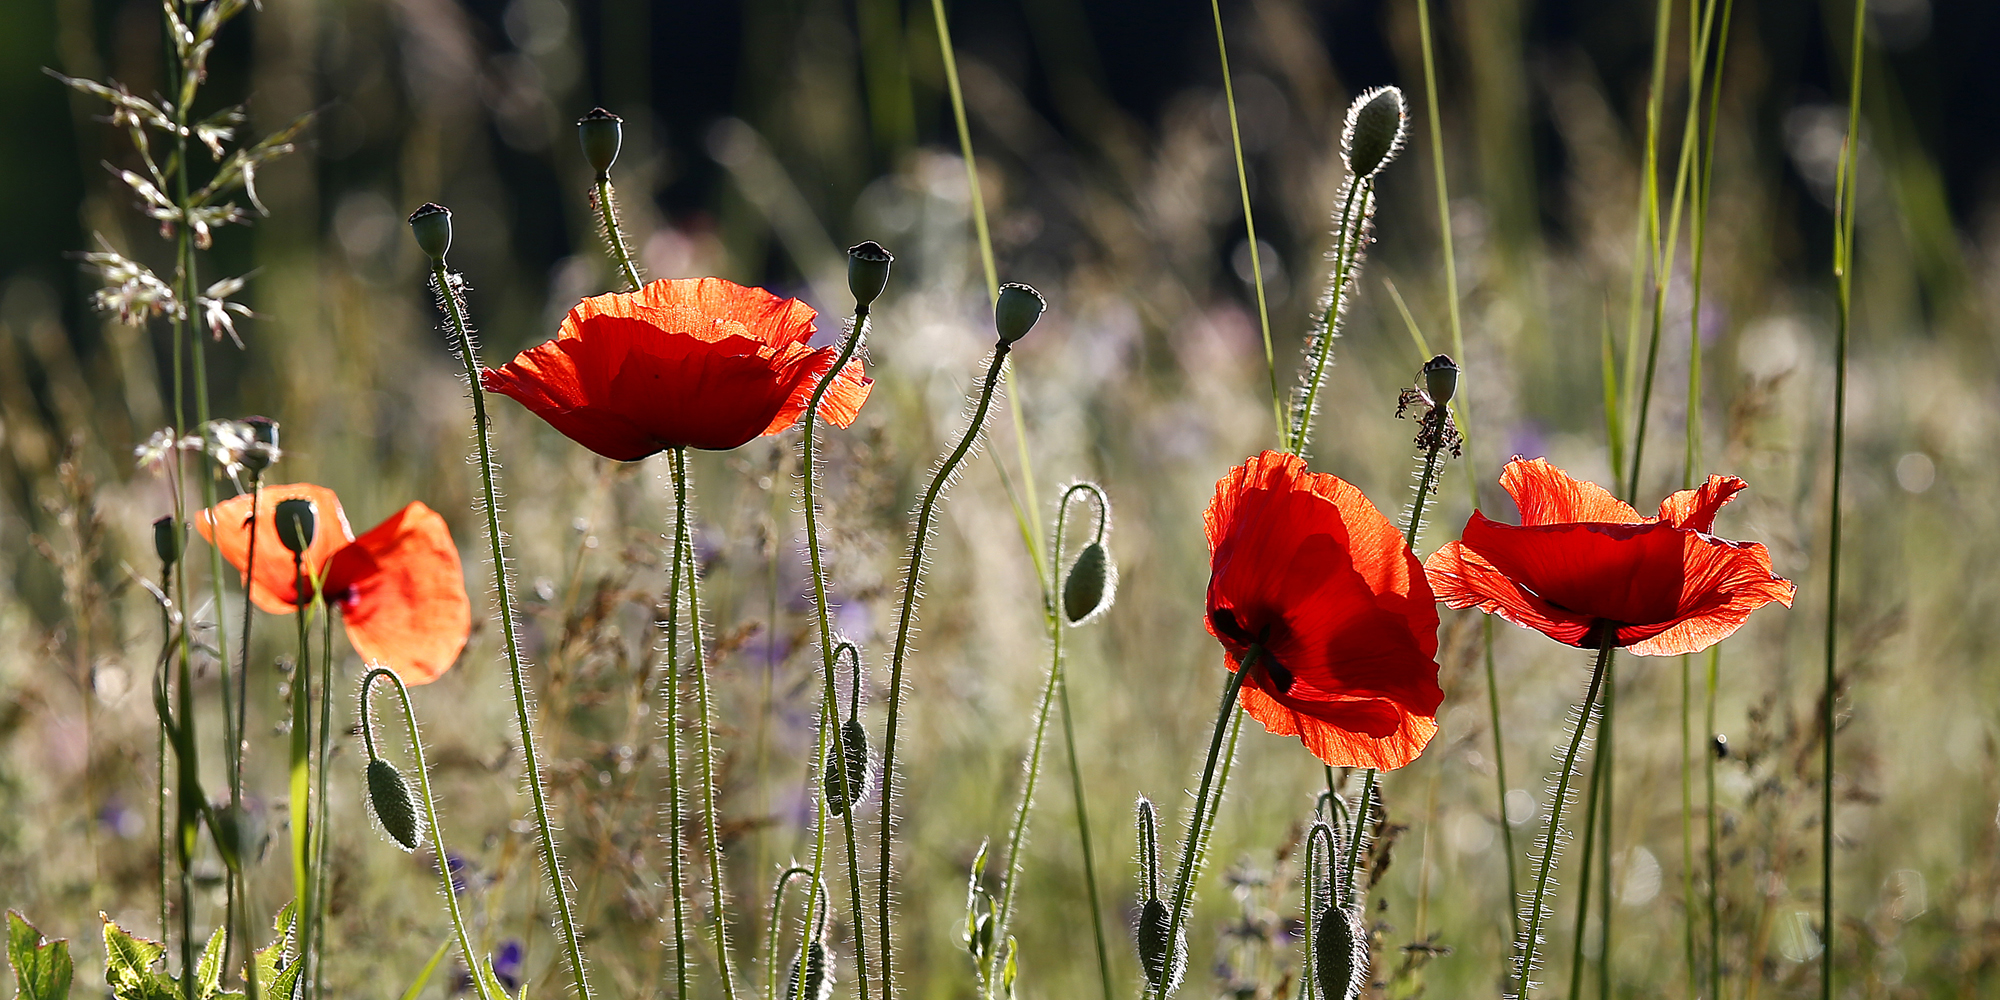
column 1695, row 509
column 1462, row 578
column 401, row 590
column 1547, row 495
column 1726, row 581
column 1627, row 573
column 272, row 582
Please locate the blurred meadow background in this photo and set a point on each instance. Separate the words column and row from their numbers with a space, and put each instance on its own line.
column 764, row 135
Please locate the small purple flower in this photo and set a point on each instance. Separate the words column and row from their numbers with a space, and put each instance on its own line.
column 507, row 964
column 461, row 872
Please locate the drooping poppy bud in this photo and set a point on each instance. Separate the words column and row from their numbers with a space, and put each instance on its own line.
column 853, row 748
column 389, row 798
column 297, row 522
column 167, row 541
column 1164, row 962
column 431, row 224
column 1017, row 310
column 1441, row 379
column 1376, row 123
column 868, row 272
column 601, row 133
column 1340, row 953
column 1087, row 590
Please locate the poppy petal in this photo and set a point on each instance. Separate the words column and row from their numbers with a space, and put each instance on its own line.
column 545, row 380
column 401, row 590
column 1371, row 732
column 1694, row 510
column 712, row 308
column 1547, row 495
column 1630, row 573
column 272, row 584
column 1462, row 578
column 1726, row 581
column 843, row 399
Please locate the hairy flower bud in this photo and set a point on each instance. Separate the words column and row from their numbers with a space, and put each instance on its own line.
column 1087, row 590
column 868, row 271
column 1376, row 124
column 167, row 541
column 431, row 224
column 841, row 796
column 1340, row 953
column 298, row 521
column 1016, row 311
column 389, row 798
column 1164, row 962
column 601, row 133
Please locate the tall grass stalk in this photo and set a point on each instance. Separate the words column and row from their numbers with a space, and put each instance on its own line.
column 1843, row 270
column 447, row 287
column 1249, row 222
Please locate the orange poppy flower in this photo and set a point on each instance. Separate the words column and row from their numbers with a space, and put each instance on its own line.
column 696, row 362
column 1582, row 560
column 1303, row 566
column 400, row 587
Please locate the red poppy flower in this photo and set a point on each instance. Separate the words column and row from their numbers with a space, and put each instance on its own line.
column 1302, row 565
column 696, row 362
column 400, row 587
column 1582, row 560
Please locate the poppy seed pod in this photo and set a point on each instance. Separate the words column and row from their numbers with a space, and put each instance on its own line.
column 601, row 134
column 167, row 541
column 1016, row 311
column 1087, row 589
column 868, row 271
column 1440, row 379
column 1340, row 953
column 1376, row 123
column 389, row 798
column 264, row 447
column 431, row 224
column 298, row 522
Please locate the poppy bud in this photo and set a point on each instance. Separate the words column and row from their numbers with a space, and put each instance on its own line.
column 1340, row 953
column 1160, row 960
column 1087, row 589
column 1440, row 379
column 1016, row 311
column 431, row 224
column 853, row 747
column 1375, row 128
column 167, row 541
column 389, row 798
column 601, row 133
column 263, row 449
column 298, row 522
column 867, row 271
column 816, row 983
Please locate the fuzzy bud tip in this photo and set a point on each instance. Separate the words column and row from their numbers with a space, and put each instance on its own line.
column 1376, row 124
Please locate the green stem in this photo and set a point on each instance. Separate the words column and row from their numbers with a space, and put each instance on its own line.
column 777, row 917
column 1843, row 270
column 717, row 876
column 672, row 724
column 479, row 981
column 1344, row 252
column 926, row 512
column 300, row 780
column 1531, row 937
column 1083, row 837
column 1500, row 771
column 971, row 165
column 608, row 212
column 1587, row 871
column 1360, row 833
column 482, row 430
column 1249, row 220
column 1197, row 835
column 322, row 826
column 1607, row 752
column 829, row 698
column 1714, row 851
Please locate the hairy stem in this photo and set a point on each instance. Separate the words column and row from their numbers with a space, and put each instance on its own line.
column 608, row 213
column 1203, row 818
column 1531, row 935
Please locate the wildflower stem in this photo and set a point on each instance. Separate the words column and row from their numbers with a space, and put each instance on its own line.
column 829, row 698
column 1249, row 221
column 300, row 789
column 1531, row 936
column 1346, row 245
column 1197, row 835
column 479, row 980
column 322, row 826
column 1360, row 832
column 1843, row 269
column 771, row 935
column 1587, row 872
column 712, row 831
column 243, row 674
column 1714, row 851
column 1083, row 837
column 482, row 431
column 672, row 724
column 926, row 512
column 608, row 211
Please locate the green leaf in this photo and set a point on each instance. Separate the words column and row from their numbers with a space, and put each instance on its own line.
column 424, row 977
column 128, row 966
column 208, row 969
column 285, row 984
column 42, row 968
column 271, row 957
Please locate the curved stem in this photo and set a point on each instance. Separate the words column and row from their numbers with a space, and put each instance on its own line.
column 482, row 430
column 479, row 981
column 608, row 212
column 1359, row 833
column 777, row 917
column 1197, row 835
column 1531, row 936
column 829, row 709
column 717, row 876
column 926, row 512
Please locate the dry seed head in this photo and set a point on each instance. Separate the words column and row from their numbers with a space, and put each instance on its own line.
column 1340, row 953
column 389, row 798
column 1377, row 123
column 1089, row 587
